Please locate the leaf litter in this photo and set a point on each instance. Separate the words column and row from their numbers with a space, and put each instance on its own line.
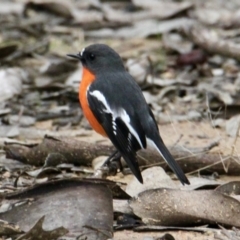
column 63, row 207
column 185, row 57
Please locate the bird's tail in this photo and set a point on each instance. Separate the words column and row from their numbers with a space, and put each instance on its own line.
column 166, row 155
column 132, row 163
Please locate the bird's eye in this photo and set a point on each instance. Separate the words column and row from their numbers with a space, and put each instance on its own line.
column 92, row 56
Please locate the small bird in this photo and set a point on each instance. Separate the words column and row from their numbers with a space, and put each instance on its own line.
column 115, row 107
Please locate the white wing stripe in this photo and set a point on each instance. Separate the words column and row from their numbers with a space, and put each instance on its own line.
column 101, row 98
column 119, row 113
column 125, row 117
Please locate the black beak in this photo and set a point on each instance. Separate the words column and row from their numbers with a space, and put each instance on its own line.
column 77, row 56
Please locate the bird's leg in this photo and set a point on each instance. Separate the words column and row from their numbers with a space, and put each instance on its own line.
column 110, row 166
column 113, row 163
column 110, row 157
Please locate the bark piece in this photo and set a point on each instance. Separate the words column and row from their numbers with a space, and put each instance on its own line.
column 83, row 153
column 77, row 152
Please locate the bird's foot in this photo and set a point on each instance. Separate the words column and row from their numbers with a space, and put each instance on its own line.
column 110, row 167
column 102, row 173
column 113, row 163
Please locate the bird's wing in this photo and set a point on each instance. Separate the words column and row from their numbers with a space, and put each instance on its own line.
column 124, row 130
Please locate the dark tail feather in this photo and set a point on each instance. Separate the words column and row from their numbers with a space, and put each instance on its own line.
column 133, row 165
column 171, row 162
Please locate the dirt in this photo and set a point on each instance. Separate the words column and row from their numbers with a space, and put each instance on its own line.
column 178, row 235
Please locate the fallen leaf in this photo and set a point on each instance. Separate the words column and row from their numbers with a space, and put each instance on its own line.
column 38, row 233
column 175, row 42
column 23, row 121
column 232, row 126
column 171, row 207
column 142, row 29
column 7, row 50
column 11, row 82
column 163, row 9
column 8, row 8
column 7, row 229
column 230, row 188
column 70, row 203
column 154, row 177
column 60, row 8
column 192, row 58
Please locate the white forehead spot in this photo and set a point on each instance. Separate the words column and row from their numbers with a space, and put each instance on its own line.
column 82, row 51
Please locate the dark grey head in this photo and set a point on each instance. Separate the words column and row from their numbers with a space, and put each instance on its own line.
column 99, row 57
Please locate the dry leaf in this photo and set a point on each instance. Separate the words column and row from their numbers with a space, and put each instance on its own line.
column 173, row 207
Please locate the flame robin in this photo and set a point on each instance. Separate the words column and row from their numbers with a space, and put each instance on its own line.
column 115, row 107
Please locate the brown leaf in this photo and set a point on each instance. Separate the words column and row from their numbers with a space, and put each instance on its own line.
column 7, row 50
column 208, row 40
column 7, row 229
column 84, row 207
column 55, row 7
column 230, row 188
column 183, row 208
column 192, row 58
column 142, row 29
column 163, row 10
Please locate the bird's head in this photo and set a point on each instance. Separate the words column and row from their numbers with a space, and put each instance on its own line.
column 99, row 57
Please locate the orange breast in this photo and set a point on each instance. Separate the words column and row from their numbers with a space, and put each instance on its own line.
column 87, row 79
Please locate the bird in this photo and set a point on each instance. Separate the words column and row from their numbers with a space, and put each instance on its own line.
column 115, row 107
